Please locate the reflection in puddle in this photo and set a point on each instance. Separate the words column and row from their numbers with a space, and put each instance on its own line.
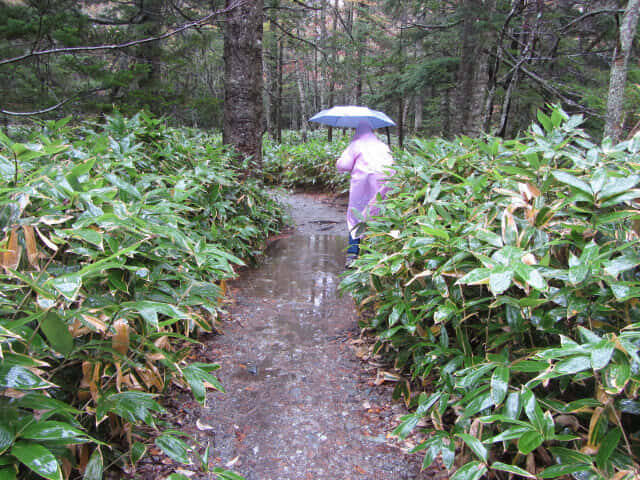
column 300, row 278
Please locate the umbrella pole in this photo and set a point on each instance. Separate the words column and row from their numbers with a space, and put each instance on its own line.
column 388, row 136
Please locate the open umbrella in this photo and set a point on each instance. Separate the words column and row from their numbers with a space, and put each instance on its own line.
column 350, row 115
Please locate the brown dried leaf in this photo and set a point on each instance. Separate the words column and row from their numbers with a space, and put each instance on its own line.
column 96, row 323
column 11, row 255
column 83, row 457
column 568, row 421
column 33, row 255
column 528, row 191
column 120, row 341
column 77, row 329
column 66, row 468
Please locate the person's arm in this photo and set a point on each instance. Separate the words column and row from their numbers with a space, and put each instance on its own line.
column 346, row 161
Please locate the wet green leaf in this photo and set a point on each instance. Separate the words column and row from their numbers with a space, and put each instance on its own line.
column 616, row 375
column 499, row 384
column 475, row 445
column 530, row 275
column 503, row 467
column 500, row 280
column 568, row 456
column 57, row 333
column 566, row 469
column 6, row 437
column 601, row 354
column 95, row 466
column 572, row 181
column 197, row 376
column 55, row 432
column 132, row 406
column 407, row 424
column 68, row 285
column 226, row 474
column 621, row 264
column 509, row 434
column 174, row 447
column 8, row 473
column 578, row 272
column 572, row 365
column 489, row 237
column 21, row 378
column 137, row 451
column 479, row 403
column 529, row 442
column 607, row 447
column 38, row 459
column 470, row 471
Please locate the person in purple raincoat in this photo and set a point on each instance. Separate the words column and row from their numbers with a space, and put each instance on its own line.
column 368, row 160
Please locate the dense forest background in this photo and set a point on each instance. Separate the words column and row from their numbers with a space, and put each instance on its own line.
column 437, row 67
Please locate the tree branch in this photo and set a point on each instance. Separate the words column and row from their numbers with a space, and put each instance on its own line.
column 590, row 14
column 119, row 46
column 54, row 107
column 433, row 27
column 295, row 37
column 551, row 88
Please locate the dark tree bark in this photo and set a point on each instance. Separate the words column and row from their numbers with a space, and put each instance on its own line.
column 473, row 73
column 243, row 81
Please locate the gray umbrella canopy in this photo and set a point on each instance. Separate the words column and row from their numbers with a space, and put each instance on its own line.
column 350, row 115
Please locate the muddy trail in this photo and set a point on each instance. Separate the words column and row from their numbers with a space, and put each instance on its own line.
column 301, row 401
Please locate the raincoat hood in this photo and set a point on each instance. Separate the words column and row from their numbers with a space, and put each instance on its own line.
column 363, row 129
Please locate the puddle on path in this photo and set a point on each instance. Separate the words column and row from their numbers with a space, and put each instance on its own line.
column 297, row 397
column 299, row 405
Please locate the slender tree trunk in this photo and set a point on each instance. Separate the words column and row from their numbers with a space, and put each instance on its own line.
column 464, row 75
column 303, row 101
column 243, row 82
column 323, row 49
column 530, row 29
column 445, row 112
column 400, row 122
column 417, row 119
column 278, row 109
column 618, row 78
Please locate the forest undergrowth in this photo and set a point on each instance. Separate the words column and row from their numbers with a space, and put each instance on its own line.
column 500, row 278
column 117, row 239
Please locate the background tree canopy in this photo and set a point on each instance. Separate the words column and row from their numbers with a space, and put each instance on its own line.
column 438, row 67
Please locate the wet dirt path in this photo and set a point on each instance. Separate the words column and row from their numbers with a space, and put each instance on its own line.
column 299, row 403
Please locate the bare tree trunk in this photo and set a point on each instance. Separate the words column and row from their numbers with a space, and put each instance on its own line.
column 303, row 101
column 464, row 75
column 243, row 82
column 279, row 95
column 400, row 122
column 323, row 45
column 417, row 119
column 530, row 28
column 618, row 78
column 445, row 112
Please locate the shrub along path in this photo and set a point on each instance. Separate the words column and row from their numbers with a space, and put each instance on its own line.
column 301, row 401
